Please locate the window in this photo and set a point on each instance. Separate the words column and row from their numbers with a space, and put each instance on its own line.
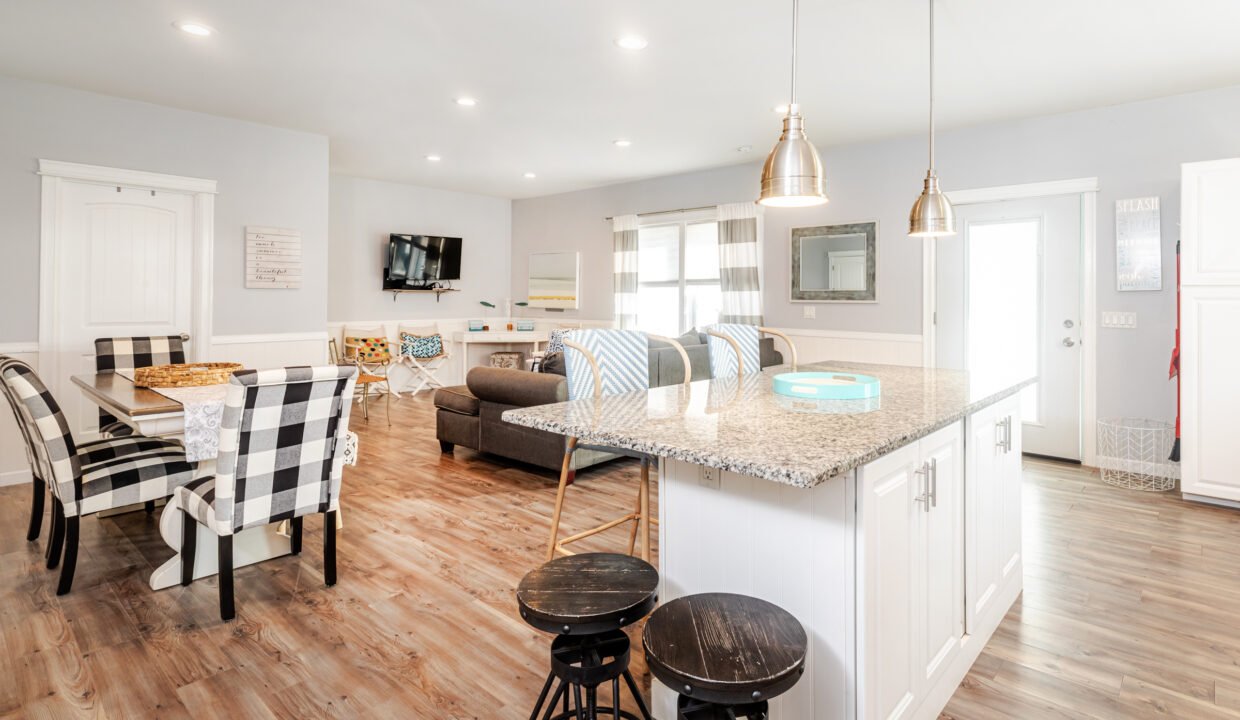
column 678, row 274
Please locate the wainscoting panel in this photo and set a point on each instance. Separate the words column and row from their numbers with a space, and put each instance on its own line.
column 270, row 350
column 885, row 348
column 13, row 466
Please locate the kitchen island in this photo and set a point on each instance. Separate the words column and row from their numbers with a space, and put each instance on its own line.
column 890, row 529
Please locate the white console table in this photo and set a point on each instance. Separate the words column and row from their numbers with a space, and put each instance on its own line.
column 495, row 337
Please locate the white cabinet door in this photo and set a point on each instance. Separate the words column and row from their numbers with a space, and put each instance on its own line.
column 1211, row 255
column 1011, row 477
column 890, row 522
column 1210, row 321
column 992, row 507
column 939, row 553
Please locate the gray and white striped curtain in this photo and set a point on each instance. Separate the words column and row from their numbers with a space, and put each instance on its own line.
column 625, row 234
column 740, row 226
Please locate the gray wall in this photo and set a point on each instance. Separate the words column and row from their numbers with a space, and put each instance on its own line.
column 1134, row 150
column 363, row 214
column 266, row 176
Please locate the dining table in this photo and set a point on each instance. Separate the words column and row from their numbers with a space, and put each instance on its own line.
column 157, row 414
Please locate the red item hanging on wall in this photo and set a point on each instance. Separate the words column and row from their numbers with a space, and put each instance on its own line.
column 1174, row 372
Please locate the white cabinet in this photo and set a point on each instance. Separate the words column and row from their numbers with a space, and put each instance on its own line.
column 992, row 509
column 1210, row 331
column 910, row 556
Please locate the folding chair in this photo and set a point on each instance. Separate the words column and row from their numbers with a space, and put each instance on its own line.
column 371, row 352
column 423, row 349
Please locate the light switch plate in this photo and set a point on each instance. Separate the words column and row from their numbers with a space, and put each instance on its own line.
column 1123, row 320
column 809, row 312
column 709, row 477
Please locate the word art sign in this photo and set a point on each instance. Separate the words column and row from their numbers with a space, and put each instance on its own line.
column 1138, row 244
column 272, row 258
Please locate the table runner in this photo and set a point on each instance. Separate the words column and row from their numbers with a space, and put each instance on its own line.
column 204, row 408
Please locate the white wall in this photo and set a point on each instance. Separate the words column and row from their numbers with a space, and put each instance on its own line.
column 266, row 176
column 1134, row 150
column 363, row 214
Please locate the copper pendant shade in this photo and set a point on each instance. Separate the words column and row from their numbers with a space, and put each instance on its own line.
column 792, row 175
column 932, row 214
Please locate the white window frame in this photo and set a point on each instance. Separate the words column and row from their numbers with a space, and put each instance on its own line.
column 681, row 220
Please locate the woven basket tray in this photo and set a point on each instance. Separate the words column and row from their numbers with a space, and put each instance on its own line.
column 184, row 375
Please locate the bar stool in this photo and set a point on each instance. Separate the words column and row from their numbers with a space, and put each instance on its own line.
column 726, row 655
column 585, row 600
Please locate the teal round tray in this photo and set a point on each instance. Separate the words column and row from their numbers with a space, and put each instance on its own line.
column 827, row 385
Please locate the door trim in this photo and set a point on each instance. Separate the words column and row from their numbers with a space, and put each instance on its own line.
column 1087, row 188
column 54, row 174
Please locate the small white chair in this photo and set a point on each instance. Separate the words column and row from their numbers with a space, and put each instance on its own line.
column 413, row 354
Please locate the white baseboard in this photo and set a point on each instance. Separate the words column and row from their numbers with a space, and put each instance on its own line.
column 14, row 477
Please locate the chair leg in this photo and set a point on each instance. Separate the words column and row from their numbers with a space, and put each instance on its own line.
column 228, row 610
column 329, row 548
column 366, row 402
column 637, row 520
column 389, row 403
column 36, row 509
column 294, row 535
column 559, row 497
column 58, row 534
column 150, row 507
column 69, row 563
column 644, row 517
column 189, row 545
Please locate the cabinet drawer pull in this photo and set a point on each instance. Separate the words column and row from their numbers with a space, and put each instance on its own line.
column 924, row 497
column 934, row 482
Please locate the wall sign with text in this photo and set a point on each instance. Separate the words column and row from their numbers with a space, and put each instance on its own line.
column 1138, row 244
column 272, row 257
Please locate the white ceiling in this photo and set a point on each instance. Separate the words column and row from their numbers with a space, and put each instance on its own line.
column 379, row 76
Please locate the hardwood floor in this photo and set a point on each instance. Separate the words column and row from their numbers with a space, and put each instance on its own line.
column 1129, row 608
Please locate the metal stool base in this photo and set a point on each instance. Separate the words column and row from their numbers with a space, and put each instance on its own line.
column 688, row 708
column 580, row 664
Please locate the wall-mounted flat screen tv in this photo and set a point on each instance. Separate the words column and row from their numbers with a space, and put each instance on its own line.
column 416, row 261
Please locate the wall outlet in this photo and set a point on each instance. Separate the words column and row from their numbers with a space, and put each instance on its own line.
column 1125, row 320
column 709, row 477
column 809, row 312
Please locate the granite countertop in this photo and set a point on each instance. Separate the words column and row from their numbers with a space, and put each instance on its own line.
column 746, row 428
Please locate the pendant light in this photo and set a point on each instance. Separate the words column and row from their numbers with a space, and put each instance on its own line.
column 792, row 175
column 932, row 214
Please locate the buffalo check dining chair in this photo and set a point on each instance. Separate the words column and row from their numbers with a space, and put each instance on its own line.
column 131, row 353
column 601, row 362
column 88, row 478
column 282, row 453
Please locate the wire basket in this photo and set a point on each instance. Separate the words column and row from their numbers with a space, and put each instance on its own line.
column 1132, row 454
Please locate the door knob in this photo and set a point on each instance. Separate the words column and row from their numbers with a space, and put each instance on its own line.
column 1068, row 324
column 1068, row 342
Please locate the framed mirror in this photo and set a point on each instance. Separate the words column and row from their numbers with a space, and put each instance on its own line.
column 554, row 281
column 834, row 263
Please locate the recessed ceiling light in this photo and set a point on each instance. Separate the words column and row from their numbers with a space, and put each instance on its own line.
column 433, row 158
column 622, row 142
column 466, row 102
column 530, row 176
column 632, row 42
column 744, row 149
column 194, row 28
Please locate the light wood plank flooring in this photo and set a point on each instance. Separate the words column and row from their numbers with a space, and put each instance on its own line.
column 1129, row 608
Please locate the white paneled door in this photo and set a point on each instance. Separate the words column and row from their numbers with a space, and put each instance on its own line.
column 121, row 266
column 1008, row 306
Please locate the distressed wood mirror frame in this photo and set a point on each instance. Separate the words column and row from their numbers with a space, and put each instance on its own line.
column 820, row 295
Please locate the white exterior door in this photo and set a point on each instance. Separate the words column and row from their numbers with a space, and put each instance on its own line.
column 121, row 266
column 1008, row 306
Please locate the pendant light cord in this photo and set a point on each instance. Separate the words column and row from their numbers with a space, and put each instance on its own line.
column 931, row 87
column 795, row 10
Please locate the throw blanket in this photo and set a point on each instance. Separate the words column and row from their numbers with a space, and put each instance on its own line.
column 204, row 408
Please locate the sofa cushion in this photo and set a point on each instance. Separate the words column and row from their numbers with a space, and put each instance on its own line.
column 457, row 399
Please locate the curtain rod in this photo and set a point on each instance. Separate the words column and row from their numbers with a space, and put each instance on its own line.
column 668, row 212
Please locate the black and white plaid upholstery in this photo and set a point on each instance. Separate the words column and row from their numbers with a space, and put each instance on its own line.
column 130, row 353
column 282, row 441
column 96, row 475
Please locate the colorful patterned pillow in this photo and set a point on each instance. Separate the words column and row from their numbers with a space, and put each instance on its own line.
column 368, row 349
column 421, row 346
column 555, row 343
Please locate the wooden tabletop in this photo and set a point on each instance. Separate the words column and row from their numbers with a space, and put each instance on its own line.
column 725, row 648
column 115, row 392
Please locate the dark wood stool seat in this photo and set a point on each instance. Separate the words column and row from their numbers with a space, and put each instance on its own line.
column 586, row 600
column 588, row 593
column 724, row 653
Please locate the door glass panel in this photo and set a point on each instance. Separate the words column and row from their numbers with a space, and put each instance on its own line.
column 1003, row 301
